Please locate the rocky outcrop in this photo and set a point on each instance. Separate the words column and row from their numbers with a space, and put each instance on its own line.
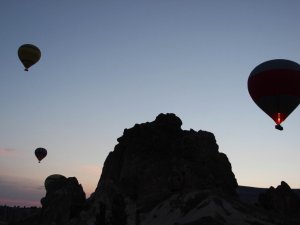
column 281, row 199
column 154, row 161
column 64, row 200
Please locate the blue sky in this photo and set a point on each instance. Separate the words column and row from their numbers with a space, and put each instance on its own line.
column 107, row 65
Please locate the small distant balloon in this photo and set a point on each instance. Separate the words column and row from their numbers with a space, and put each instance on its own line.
column 40, row 153
column 274, row 86
column 29, row 55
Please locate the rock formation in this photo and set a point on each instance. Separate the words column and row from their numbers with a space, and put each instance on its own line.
column 159, row 174
column 154, row 162
column 281, row 199
column 64, row 200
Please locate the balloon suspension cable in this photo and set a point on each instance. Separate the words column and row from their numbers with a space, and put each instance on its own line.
column 278, row 127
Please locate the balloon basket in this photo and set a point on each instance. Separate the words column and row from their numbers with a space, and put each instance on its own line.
column 278, row 127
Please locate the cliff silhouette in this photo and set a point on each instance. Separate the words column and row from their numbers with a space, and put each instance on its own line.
column 162, row 175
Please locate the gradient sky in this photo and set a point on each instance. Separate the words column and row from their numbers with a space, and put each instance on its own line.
column 107, row 65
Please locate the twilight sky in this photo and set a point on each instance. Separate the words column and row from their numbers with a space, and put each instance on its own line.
column 108, row 64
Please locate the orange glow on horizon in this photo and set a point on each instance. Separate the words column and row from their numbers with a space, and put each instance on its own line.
column 21, row 202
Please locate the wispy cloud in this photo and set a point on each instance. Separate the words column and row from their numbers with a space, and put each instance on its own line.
column 19, row 202
column 8, row 152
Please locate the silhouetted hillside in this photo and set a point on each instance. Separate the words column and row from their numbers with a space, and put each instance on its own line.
column 11, row 215
column 250, row 194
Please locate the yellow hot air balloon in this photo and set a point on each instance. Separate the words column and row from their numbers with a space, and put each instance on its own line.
column 29, row 55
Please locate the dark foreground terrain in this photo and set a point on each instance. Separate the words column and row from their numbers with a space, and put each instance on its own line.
column 159, row 174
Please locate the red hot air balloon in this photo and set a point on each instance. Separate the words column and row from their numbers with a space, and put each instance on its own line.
column 40, row 153
column 275, row 87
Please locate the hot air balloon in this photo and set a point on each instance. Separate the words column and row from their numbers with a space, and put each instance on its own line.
column 29, row 55
column 275, row 87
column 40, row 153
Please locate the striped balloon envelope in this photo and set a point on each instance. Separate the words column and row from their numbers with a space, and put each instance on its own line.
column 275, row 87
